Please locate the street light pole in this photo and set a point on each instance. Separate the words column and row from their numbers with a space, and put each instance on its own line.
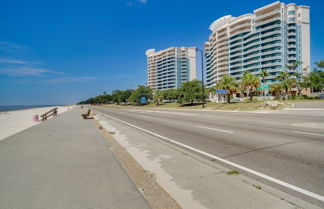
column 202, row 77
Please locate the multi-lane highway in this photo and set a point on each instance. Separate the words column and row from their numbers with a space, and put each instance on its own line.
column 285, row 145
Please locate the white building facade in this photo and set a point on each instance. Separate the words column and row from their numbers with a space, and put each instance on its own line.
column 169, row 68
column 272, row 37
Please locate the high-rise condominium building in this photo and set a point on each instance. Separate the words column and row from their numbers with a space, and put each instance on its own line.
column 270, row 38
column 168, row 68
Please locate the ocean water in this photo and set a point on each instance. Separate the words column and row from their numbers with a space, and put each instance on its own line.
column 21, row 107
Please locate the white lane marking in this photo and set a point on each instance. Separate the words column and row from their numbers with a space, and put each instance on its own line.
column 269, row 178
column 301, row 132
column 158, row 111
column 215, row 129
column 143, row 116
column 301, row 109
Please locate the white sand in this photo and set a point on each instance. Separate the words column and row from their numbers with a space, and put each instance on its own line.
column 12, row 122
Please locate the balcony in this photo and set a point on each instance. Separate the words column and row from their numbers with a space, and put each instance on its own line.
column 268, row 21
column 271, row 33
column 271, row 58
column 221, row 54
column 292, row 46
column 251, row 44
column 237, row 59
column 269, row 27
column 291, row 40
column 222, row 39
column 277, row 11
column 252, row 50
column 272, row 52
column 251, row 62
column 240, row 26
column 271, row 64
column 236, row 65
column 292, row 58
column 270, row 46
column 222, row 63
column 241, row 31
column 252, row 55
column 222, row 73
column 236, row 55
column 235, row 39
column 291, row 34
column 223, row 58
column 252, row 38
column 291, row 52
column 271, row 39
column 236, row 44
column 222, row 33
column 222, row 68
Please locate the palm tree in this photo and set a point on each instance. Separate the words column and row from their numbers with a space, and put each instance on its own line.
column 264, row 73
column 320, row 64
column 158, row 96
column 282, row 77
column 276, row 89
column 293, row 66
column 250, row 82
column 229, row 84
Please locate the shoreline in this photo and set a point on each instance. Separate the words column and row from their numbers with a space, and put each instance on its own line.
column 12, row 122
column 10, row 108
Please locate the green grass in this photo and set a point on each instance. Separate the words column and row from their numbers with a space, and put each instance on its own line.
column 235, row 106
column 233, row 173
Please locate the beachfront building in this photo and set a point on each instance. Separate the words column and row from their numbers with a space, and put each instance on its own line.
column 167, row 69
column 272, row 37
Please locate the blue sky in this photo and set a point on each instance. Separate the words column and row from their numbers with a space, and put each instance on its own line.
column 60, row 52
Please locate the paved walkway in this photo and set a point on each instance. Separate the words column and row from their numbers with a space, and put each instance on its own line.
column 63, row 163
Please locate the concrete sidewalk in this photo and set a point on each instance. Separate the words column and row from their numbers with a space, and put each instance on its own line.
column 63, row 163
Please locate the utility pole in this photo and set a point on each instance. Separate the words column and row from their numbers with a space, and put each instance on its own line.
column 202, row 76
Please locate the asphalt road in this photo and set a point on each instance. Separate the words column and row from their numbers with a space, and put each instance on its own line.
column 287, row 145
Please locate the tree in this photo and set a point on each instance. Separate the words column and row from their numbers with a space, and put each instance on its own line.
column 124, row 95
column 293, row 66
column 229, row 84
column 170, row 94
column 276, row 89
column 158, row 96
column 264, row 73
column 316, row 80
column 115, row 96
column 320, row 64
column 190, row 91
column 282, row 77
column 250, row 82
column 141, row 91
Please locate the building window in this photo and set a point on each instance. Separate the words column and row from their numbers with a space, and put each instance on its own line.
column 291, row 19
column 291, row 12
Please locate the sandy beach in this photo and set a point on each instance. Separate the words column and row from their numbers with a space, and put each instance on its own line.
column 12, row 122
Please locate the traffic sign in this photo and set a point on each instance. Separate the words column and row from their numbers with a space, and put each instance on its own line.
column 264, row 87
column 143, row 100
column 221, row 91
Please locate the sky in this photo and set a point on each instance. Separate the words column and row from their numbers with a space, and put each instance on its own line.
column 62, row 52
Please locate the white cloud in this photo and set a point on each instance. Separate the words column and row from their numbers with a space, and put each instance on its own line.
column 70, row 79
column 24, row 71
column 143, row 2
column 13, row 61
column 5, row 44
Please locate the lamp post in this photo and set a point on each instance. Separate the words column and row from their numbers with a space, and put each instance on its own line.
column 202, row 76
